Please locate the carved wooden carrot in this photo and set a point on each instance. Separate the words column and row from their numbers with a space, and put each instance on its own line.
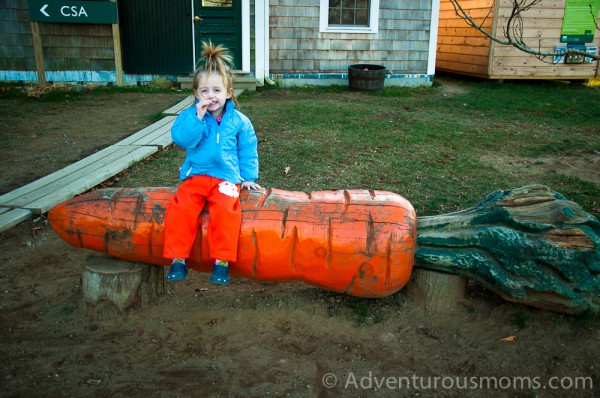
column 358, row 242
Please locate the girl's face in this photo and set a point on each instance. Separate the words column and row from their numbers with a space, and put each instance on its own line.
column 211, row 87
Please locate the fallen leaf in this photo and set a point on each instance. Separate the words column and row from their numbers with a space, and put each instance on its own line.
column 287, row 170
column 428, row 332
column 507, row 338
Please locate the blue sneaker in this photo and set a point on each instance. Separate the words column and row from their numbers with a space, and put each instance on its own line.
column 220, row 273
column 178, row 271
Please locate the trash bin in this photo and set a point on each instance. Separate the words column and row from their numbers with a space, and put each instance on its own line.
column 366, row 77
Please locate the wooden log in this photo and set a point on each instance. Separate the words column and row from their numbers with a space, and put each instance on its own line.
column 358, row 242
column 113, row 287
column 529, row 245
column 436, row 291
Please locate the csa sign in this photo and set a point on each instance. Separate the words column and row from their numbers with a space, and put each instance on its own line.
column 95, row 12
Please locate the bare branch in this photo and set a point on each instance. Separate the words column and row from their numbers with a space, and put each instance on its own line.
column 514, row 28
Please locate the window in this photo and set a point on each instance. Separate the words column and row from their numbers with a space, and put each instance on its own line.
column 348, row 16
column 349, row 12
column 217, row 3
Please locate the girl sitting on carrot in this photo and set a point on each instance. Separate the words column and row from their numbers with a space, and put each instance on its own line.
column 221, row 154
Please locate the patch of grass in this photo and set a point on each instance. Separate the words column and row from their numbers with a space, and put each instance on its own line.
column 587, row 320
column 470, row 308
column 574, row 189
column 558, row 320
column 9, row 91
column 154, row 117
column 522, row 320
column 165, row 170
column 360, row 311
column 71, row 92
column 132, row 89
column 427, row 144
column 363, row 311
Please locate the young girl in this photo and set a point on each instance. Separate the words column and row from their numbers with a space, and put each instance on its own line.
column 221, row 153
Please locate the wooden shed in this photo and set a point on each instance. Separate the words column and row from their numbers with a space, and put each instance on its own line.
column 463, row 49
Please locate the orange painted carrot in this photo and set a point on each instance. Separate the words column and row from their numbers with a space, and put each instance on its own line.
column 358, row 242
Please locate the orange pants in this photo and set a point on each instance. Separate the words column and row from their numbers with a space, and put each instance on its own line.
column 182, row 219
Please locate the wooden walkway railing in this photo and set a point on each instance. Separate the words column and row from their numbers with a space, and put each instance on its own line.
column 40, row 196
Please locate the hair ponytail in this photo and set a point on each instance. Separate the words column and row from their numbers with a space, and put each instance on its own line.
column 215, row 59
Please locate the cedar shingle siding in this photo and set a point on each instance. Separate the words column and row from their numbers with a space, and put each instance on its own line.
column 297, row 46
column 65, row 46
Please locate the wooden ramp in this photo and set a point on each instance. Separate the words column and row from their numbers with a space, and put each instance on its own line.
column 40, row 196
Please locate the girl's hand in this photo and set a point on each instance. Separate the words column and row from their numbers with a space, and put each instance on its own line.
column 202, row 105
column 251, row 186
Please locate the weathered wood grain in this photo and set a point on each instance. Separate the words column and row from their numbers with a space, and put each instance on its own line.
column 529, row 245
column 542, row 26
column 114, row 287
column 359, row 242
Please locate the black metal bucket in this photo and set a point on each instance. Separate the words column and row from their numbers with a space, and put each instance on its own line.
column 366, row 77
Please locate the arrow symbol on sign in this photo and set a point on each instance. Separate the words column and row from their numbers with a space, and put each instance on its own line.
column 44, row 12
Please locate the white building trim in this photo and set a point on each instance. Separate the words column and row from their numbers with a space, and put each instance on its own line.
column 261, row 37
column 246, row 36
column 433, row 36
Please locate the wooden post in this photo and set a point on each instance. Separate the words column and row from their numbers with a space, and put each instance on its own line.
column 116, row 33
column 38, row 53
column 436, row 291
column 113, row 287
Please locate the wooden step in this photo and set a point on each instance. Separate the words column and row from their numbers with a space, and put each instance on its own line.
column 41, row 195
column 181, row 106
column 245, row 82
column 11, row 217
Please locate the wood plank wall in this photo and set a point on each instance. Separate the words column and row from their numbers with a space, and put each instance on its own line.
column 297, row 46
column 461, row 48
column 464, row 50
column 65, row 46
column 542, row 28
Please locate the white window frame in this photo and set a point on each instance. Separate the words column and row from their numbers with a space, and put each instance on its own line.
column 373, row 21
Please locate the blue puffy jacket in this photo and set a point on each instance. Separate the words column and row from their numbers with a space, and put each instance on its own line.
column 227, row 151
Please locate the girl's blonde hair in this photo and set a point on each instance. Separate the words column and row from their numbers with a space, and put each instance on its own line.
column 215, row 60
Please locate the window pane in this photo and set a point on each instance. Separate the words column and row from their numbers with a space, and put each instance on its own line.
column 334, row 16
column 347, row 17
column 362, row 17
column 217, row 3
column 349, row 12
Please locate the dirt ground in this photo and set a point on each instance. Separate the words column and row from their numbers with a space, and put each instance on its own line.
column 250, row 339
column 38, row 138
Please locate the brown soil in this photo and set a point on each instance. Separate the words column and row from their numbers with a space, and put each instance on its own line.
column 39, row 137
column 248, row 339
column 586, row 165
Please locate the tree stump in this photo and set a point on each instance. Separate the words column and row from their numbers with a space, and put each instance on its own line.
column 436, row 291
column 113, row 287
